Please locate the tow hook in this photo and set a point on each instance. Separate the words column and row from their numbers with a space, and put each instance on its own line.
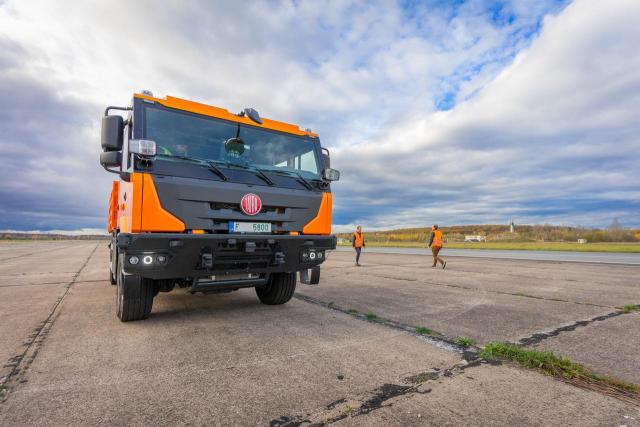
column 206, row 260
column 278, row 258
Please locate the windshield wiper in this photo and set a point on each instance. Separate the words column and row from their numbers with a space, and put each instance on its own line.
column 304, row 181
column 256, row 169
column 212, row 167
column 264, row 176
column 215, row 169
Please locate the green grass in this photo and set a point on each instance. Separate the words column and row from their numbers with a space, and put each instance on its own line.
column 348, row 409
column 352, row 311
column 465, row 341
column 524, row 246
column 372, row 316
column 549, row 363
column 423, row 331
column 630, row 307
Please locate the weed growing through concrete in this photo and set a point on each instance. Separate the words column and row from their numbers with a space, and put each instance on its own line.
column 465, row 341
column 423, row 331
column 550, row 364
column 348, row 409
column 372, row 316
column 352, row 311
column 630, row 307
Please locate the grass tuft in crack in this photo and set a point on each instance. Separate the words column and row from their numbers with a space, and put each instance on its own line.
column 550, row 364
column 348, row 409
column 630, row 307
column 372, row 316
column 352, row 311
column 423, row 331
column 465, row 341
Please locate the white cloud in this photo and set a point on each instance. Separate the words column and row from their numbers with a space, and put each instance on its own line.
column 551, row 138
column 557, row 123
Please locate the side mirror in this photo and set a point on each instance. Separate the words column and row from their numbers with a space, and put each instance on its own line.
column 110, row 159
column 326, row 160
column 112, row 133
column 331, row 174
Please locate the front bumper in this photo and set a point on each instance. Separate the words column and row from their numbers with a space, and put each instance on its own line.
column 177, row 256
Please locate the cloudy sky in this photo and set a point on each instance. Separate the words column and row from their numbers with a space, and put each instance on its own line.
column 434, row 111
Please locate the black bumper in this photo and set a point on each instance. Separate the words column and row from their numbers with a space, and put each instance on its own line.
column 177, row 256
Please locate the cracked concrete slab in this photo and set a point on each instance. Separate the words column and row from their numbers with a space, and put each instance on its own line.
column 499, row 395
column 601, row 284
column 228, row 360
column 30, row 286
column 205, row 359
column 434, row 299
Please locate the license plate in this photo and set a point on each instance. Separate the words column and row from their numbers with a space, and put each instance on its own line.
column 249, row 227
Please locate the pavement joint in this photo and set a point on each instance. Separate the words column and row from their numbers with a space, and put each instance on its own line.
column 35, row 253
column 21, row 362
column 537, row 337
column 436, row 338
column 49, row 283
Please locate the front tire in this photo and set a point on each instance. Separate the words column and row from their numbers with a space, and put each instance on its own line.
column 278, row 290
column 135, row 294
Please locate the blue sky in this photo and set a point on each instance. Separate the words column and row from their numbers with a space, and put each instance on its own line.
column 449, row 112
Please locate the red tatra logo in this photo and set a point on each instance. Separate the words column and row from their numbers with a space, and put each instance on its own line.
column 251, row 204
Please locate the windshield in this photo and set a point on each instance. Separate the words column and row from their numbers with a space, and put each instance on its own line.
column 187, row 135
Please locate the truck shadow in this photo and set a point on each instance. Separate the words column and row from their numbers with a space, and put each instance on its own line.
column 178, row 305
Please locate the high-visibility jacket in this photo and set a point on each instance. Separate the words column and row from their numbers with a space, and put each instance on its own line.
column 358, row 239
column 437, row 238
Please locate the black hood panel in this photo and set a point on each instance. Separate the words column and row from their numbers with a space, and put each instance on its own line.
column 210, row 205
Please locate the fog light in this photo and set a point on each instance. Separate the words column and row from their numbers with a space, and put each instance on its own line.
column 148, row 259
column 134, row 260
column 312, row 255
column 161, row 259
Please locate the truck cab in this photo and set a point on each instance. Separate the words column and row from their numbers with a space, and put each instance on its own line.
column 211, row 201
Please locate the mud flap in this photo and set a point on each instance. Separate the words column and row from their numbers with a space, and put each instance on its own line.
column 312, row 278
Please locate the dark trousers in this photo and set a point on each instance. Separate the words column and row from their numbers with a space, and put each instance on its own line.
column 436, row 259
column 358, row 250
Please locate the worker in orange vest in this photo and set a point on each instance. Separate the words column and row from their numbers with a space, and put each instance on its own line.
column 435, row 243
column 358, row 243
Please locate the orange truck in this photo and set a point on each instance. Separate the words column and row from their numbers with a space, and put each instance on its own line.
column 211, row 201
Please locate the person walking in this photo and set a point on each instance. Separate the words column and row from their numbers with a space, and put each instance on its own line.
column 435, row 243
column 357, row 241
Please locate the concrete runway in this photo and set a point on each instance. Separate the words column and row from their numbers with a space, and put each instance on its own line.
column 228, row 360
column 560, row 256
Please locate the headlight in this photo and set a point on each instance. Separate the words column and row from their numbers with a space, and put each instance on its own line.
column 144, row 147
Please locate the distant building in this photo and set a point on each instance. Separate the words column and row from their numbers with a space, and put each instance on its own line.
column 475, row 238
column 582, row 241
column 512, row 227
